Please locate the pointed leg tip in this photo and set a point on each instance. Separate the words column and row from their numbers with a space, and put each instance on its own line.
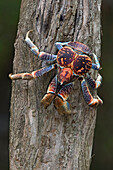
column 13, row 76
column 27, row 34
column 96, row 102
column 100, row 100
column 10, row 75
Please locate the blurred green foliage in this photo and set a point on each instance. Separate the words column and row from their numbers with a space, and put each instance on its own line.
column 102, row 158
column 9, row 13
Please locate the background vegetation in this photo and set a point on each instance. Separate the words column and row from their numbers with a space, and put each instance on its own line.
column 103, row 142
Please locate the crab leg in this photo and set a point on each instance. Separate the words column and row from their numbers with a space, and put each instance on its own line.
column 94, row 84
column 60, row 100
column 87, row 95
column 51, row 91
column 35, row 50
column 33, row 47
column 34, row 74
column 59, row 45
column 97, row 65
column 79, row 47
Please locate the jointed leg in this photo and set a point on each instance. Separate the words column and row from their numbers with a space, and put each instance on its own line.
column 97, row 65
column 87, row 95
column 34, row 74
column 51, row 92
column 94, row 84
column 35, row 50
column 77, row 46
column 60, row 100
column 60, row 45
column 33, row 47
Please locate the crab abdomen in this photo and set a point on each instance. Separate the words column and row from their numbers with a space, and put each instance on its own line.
column 65, row 56
column 81, row 64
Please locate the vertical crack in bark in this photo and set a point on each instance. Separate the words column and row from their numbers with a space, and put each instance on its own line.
column 79, row 19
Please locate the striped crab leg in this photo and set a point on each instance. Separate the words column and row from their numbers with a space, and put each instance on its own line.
column 42, row 55
column 96, row 65
column 51, row 92
column 94, row 84
column 87, row 95
column 34, row 74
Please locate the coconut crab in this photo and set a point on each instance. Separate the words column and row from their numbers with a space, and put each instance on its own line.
column 73, row 61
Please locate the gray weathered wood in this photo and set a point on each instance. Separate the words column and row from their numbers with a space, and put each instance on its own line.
column 43, row 139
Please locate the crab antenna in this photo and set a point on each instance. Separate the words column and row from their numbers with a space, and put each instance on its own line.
column 33, row 47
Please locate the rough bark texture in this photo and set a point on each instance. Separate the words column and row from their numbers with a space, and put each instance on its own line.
column 39, row 138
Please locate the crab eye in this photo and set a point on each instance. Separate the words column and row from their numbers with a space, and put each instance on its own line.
column 82, row 64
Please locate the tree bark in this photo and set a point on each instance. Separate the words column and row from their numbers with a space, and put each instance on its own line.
column 39, row 138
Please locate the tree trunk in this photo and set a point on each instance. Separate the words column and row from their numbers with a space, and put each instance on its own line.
column 43, row 139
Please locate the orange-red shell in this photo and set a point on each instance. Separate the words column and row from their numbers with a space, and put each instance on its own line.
column 65, row 56
column 81, row 64
column 78, row 63
column 65, row 75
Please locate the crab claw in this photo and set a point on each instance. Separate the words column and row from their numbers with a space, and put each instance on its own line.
column 47, row 99
column 62, row 106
